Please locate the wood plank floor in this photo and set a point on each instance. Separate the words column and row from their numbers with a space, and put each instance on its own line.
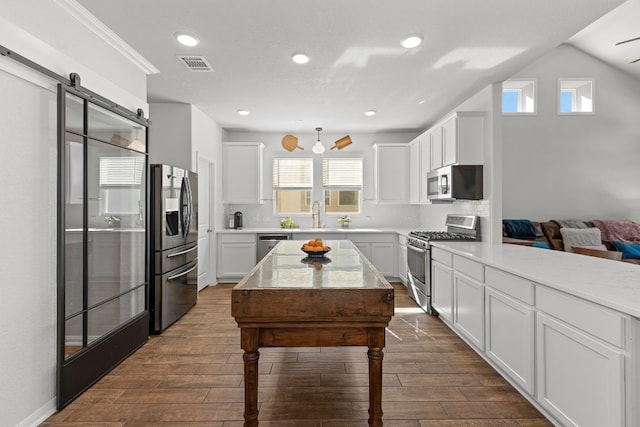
column 191, row 376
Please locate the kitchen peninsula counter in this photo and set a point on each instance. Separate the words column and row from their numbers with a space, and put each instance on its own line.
column 613, row 284
column 290, row 300
column 563, row 328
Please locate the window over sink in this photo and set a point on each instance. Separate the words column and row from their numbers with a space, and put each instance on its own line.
column 342, row 184
column 292, row 185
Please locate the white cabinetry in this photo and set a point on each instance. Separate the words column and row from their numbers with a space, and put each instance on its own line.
column 580, row 375
column 324, row 236
column 419, row 167
column 391, row 173
column 242, row 170
column 436, row 147
column 458, row 139
column 402, row 258
column 442, row 283
column 576, row 359
column 468, row 299
column 380, row 249
column 236, row 255
column 509, row 325
column 425, row 165
column 414, row 172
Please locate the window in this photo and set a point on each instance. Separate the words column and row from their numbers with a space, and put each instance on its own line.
column 342, row 184
column 519, row 96
column 121, row 184
column 292, row 185
column 575, row 96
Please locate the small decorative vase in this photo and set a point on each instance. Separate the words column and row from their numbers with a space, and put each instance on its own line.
column 345, row 224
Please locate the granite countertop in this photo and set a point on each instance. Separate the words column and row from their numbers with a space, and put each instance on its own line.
column 613, row 284
column 287, row 266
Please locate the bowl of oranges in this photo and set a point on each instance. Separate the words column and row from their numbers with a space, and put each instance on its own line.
column 315, row 248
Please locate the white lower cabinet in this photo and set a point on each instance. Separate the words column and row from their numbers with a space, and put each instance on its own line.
column 580, row 379
column 403, row 268
column 324, row 236
column 236, row 256
column 380, row 249
column 468, row 303
column 509, row 329
column 577, row 359
column 442, row 290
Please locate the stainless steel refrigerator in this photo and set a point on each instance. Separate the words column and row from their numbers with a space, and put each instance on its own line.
column 173, row 244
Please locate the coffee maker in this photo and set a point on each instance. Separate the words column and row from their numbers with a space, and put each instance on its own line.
column 237, row 220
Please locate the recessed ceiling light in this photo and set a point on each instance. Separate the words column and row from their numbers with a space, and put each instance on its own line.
column 300, row 58
column 244, row 112
column 411, row 41
column 187, row 39
column 370, row 113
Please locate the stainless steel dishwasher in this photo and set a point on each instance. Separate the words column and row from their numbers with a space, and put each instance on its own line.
column 266, row 242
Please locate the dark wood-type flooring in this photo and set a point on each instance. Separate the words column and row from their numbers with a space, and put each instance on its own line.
column 191, row 376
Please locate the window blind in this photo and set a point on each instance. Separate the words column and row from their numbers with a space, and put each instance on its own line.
column 293, row 173
column 121, row 170
column 342, row 173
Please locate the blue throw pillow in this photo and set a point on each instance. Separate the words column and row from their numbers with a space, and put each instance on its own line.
column 629, row 250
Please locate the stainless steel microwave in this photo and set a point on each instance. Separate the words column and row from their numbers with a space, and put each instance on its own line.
column 454, row 182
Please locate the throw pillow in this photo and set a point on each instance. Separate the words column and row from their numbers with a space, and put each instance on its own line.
column 629, row 250
column 539, row 244
column 580, row 237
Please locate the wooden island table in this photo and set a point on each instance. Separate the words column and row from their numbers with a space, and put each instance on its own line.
column 290, row 300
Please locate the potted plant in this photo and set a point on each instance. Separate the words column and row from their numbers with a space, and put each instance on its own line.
column 288, row 222
column 344, row 221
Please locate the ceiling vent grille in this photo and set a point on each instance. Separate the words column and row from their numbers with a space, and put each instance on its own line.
column 196, row 63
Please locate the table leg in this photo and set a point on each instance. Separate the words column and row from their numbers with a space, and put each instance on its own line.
column 376, row 344
column 249, row 343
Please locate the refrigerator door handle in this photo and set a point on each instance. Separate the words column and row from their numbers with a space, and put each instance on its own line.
column 185, row 206
column 182, row 252
column 183, row 273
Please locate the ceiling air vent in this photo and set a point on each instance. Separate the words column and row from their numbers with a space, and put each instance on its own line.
column 195, row 63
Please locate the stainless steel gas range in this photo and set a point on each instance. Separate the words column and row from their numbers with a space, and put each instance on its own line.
column 459, row 227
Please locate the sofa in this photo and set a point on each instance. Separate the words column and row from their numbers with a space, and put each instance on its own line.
column 530, row 233
column 553, row 235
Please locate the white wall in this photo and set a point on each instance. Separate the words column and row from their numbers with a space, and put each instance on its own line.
column 586, row 167
column 405, row 216
column 48, row 35
column 170, row 134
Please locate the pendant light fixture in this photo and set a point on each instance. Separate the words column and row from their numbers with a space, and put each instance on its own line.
column 318, row 148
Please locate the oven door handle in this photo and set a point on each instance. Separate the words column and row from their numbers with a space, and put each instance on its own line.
column 413, row 248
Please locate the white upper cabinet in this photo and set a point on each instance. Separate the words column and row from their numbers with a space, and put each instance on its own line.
column 425, row 165
column 436, row 147
column 419, row 166
column 457, row 140
column 242, row 172
column 391, row 173
column 414, row 171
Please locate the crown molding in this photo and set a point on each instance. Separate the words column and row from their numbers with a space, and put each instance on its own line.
column 87, row 19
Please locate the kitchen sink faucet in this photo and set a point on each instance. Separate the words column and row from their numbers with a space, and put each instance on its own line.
column 315, row 215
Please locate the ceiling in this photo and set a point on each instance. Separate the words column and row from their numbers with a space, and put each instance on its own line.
column 356, row 60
